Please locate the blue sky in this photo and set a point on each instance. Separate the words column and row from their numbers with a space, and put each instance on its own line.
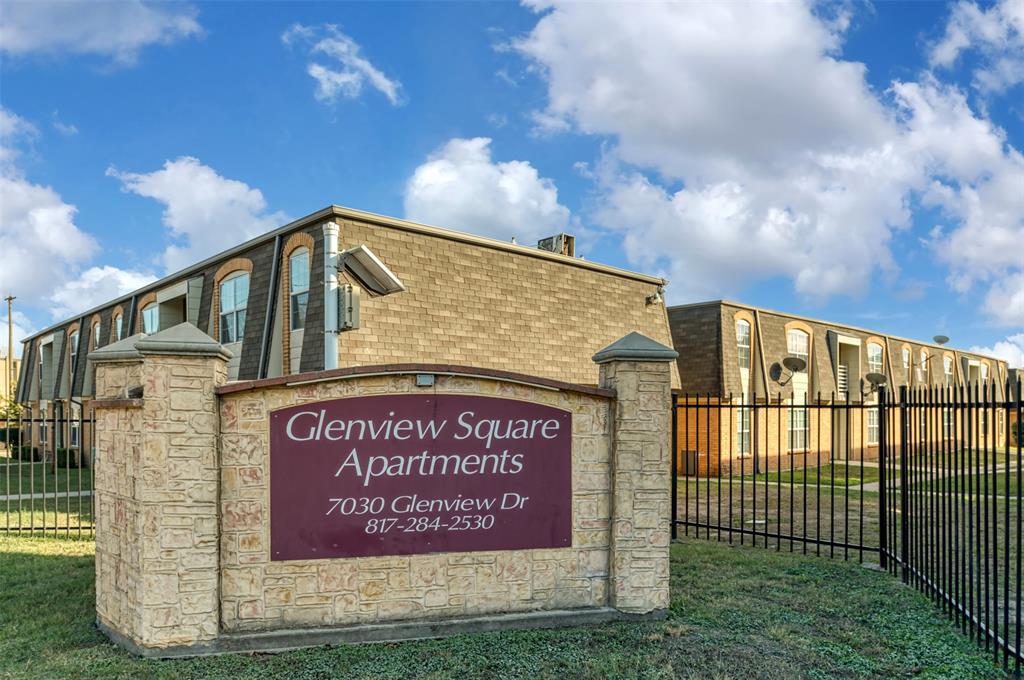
column 850, row 161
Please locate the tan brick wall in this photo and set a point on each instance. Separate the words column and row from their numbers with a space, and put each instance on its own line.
column 260, row 594
column 476, row 306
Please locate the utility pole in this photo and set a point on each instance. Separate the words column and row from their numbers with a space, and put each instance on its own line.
column 10, row 344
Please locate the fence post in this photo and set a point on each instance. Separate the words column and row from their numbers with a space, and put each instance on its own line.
column 639, row 370
column 674, row 466
column 904, row 538
column 883, row 512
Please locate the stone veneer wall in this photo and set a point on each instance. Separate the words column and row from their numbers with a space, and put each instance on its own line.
column 258, row 594
column 118, row 520
column 156, row 500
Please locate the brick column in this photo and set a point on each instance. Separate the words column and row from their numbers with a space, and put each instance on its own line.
column 640, row 371
column 170, row 480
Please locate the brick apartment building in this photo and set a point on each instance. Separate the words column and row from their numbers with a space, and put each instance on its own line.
column 343, row 288
column 732, row 354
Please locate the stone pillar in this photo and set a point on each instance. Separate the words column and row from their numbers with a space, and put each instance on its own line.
column 169, row 479
column 640, row 371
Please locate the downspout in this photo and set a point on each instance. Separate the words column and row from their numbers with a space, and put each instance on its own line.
column 331, row 231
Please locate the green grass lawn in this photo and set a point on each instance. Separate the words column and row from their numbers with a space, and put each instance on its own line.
column 34, row 475
column 975, row 484
column 735, row 613
column 839, row 474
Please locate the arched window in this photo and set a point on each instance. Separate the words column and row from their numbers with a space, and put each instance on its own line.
column 874, row 358
column 234, row 297
column 798, row 344
column 96, row 335
column 743, row 342
column 947, row 369
column 73, row 348
column 118, row 327
column 906, row 359
column 151, row 318
column 922, row 367
column 298, row 287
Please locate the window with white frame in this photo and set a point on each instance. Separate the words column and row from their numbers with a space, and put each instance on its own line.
column 743, row 430
column 922, row 367
column 298, row 287
column 872, row 427
column 984, row 373
column 947, row 369
column 947, row 423
column 118, row 321
column 95, row 335
column 906, row 361
column 234, row 297
column 151, row 318
column 76, row 430
column 73, row 348
column 798, row 428
column 743, row 342
column 798, row 345
column 874, row 357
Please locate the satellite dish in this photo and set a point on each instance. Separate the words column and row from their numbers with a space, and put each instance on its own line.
column 876, row 379
column 940, row 339
column 794, row 364
column 775, row 372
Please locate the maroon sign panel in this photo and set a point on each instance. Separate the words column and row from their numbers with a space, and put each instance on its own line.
column 410, row 474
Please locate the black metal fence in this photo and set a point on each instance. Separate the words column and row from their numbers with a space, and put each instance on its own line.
column 926, row 483
column 46, row 466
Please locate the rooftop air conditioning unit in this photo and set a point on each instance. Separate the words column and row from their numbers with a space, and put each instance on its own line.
column 563, row 244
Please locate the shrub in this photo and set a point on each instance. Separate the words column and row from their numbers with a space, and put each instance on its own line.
column 10, row 436
column 27, row 453
column 67, row 458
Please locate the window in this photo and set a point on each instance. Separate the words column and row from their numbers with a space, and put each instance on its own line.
column 117, row 327
column 798, row 344
column 298, row 287
column 743, row 430
column 906, row 360
column 76, row 433
column 151, row 318
column 743, row 343
column 798, row 422
column 947, row 368
column 947, row 423
column 874, row 357
column 95, row 336
column 73, row 345
column 872, row 427
column 922, row 368
column 234, row 296
column 984, row 373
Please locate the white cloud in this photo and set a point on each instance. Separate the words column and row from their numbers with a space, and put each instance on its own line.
column 977, row 179
column 997, row 33
column 1011, row 350
column 348, row 71
column 204, row 212
column 743, row 147
column 461, row 187
column 93, row 287
column 20, row 329
column 38, row 234
column 43, row 248
column 115, row 29
column 66, row 129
